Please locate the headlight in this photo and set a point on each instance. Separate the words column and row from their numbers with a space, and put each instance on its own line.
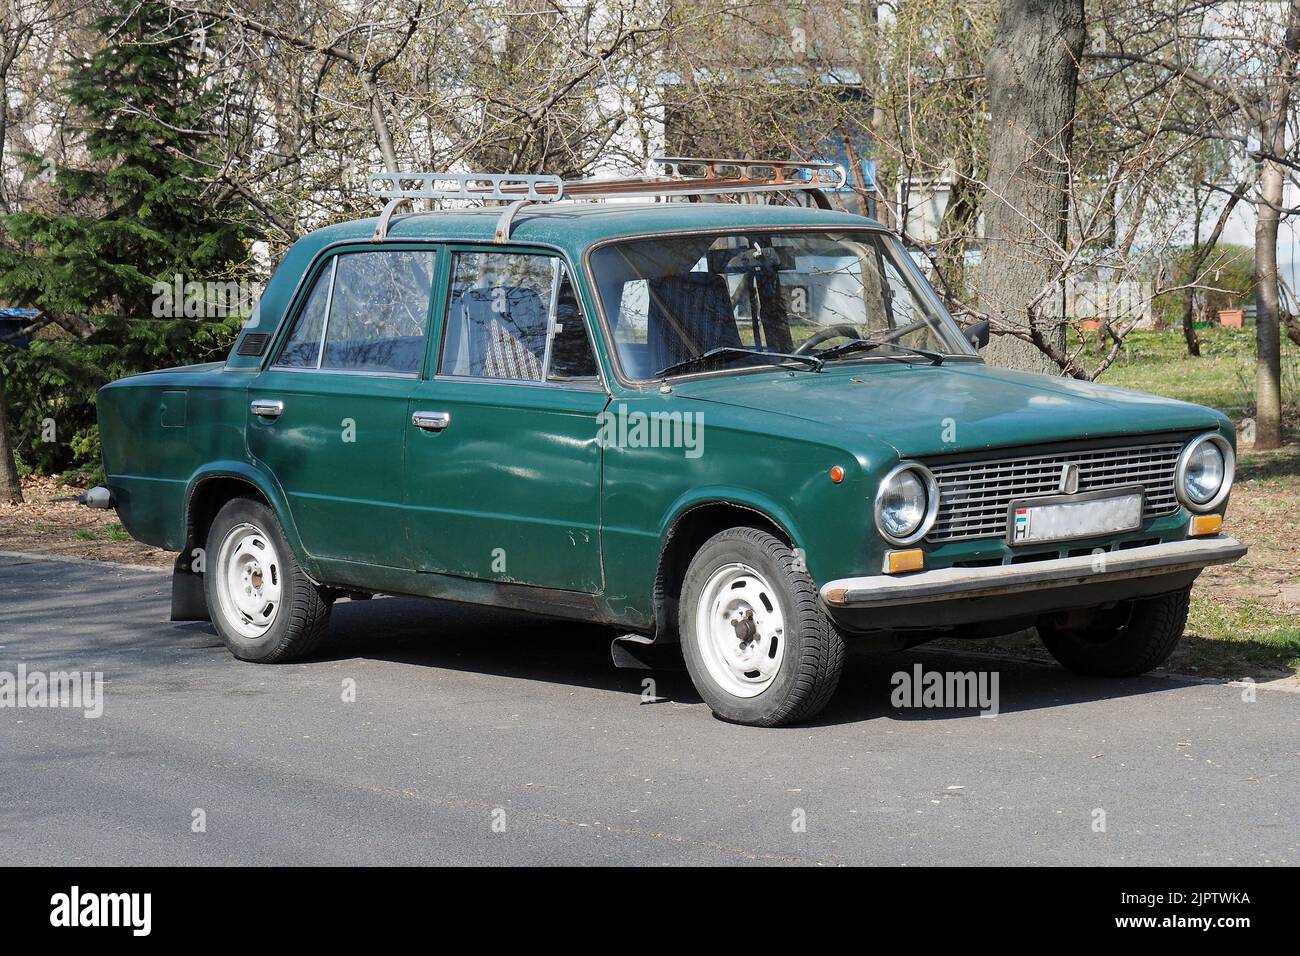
column 1204, row 475
column 906, row 503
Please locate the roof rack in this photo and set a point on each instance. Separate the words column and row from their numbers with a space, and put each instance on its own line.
column 684, row 176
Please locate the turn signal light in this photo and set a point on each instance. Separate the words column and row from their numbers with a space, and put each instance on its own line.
column 1203, row 525
column 896, row 562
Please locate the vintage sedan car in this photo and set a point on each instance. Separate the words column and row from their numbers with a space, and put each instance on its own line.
column 750, row 429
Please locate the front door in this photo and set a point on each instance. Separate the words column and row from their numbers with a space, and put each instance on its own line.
column 502, row 456
column 328, row 417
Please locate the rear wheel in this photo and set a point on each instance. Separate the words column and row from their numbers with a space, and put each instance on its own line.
column 260, row 601
column 757, row 643
column 1125, row 641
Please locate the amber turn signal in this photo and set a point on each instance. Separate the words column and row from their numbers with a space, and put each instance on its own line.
column 896, row 562
column 837, row 474
column 1203, row 525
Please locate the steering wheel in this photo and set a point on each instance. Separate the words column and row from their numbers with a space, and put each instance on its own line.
column 832, row 332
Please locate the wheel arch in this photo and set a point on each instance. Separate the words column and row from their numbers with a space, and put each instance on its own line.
column 217, row 484
column 691, row 524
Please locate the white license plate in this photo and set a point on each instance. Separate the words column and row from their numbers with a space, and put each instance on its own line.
column 1089, row 515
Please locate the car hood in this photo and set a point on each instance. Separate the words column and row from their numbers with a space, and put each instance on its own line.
column 922, row 409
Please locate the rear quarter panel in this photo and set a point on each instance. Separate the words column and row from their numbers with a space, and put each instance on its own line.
column 159, row 430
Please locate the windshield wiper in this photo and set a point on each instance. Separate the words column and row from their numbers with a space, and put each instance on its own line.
column 866, row 345
column 812, row 360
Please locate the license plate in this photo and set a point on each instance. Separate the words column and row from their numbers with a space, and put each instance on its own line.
column 1088, row 515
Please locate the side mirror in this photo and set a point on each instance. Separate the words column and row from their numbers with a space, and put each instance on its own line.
column 978, row 334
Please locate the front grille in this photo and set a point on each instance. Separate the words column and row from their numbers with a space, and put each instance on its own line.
column 974, row 496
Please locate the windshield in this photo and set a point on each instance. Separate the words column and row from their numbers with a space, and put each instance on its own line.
column 746, row 299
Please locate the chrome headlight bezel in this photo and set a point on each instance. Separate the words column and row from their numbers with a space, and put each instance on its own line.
column 931, row 506
column 1229, row 471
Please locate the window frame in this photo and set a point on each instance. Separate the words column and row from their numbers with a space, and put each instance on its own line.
column 596, row 383
column 328, row 260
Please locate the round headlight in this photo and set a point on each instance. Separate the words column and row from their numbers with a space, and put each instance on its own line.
column 906, row 503
column 1204, row 474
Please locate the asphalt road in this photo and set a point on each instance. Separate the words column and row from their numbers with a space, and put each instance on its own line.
column 466, row 718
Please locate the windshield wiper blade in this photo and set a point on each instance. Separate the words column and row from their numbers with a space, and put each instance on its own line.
column 812, row 360
column 866, row 345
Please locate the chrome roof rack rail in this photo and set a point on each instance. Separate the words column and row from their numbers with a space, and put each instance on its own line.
column 518, row 189
column 683, row 176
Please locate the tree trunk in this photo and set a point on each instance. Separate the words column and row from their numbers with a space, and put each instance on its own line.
column 1032, row 73
column 1200, row 253
column 1189, row 323
column 11, row 490
column 1268, row 342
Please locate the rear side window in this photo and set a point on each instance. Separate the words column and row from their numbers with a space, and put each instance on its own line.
column 515, row 317
column 375, row 307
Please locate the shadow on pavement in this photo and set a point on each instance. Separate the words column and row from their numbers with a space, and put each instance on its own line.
column 488, row 641
column 119, row 624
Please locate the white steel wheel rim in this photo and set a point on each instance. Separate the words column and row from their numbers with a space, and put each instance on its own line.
column 250, row 580
column 740, row 630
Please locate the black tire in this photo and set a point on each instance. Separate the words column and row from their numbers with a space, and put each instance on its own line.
column 303, row 610
column 813, row 657
column 1125, row 641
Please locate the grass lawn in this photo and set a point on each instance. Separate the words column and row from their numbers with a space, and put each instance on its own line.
column 1223, row 377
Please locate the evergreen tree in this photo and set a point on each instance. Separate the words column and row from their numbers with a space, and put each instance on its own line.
column 136, row 212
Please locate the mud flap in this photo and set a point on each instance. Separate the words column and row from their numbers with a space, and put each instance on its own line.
column 188, row 600
column 640, row 652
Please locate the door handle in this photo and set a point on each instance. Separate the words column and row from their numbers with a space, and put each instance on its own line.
column 266, row 407
column 431, row 421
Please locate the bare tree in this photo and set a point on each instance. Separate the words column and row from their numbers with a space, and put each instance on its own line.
column 1240, row 67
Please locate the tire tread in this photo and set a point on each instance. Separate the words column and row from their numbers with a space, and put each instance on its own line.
column 821, row 651
column 308, row 607
column 1139, row 645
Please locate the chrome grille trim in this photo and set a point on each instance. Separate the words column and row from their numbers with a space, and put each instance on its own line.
column 974, row 496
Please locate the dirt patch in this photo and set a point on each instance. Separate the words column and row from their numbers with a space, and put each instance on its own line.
column 1264, row 513
column 51, row 522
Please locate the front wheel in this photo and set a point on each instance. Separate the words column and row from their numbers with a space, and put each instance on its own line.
column 759, row 647
column 1127, row 640
column 260, row 601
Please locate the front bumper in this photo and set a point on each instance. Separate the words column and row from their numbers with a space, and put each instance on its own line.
column 951, row 596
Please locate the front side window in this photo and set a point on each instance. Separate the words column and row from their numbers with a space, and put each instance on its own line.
column 671, row 300
column 371, row 309
column 515, row 317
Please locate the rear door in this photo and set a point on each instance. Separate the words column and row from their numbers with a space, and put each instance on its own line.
column 503, row 458
column 328, row 417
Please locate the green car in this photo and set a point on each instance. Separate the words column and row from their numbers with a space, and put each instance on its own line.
column 749, row 429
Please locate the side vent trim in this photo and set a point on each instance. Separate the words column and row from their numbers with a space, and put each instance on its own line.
column 253, row 344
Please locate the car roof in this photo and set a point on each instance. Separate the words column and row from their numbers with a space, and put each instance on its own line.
column 569, row 226
column 575, row 225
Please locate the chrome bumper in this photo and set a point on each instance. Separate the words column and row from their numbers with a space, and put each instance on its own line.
column 927, row 587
